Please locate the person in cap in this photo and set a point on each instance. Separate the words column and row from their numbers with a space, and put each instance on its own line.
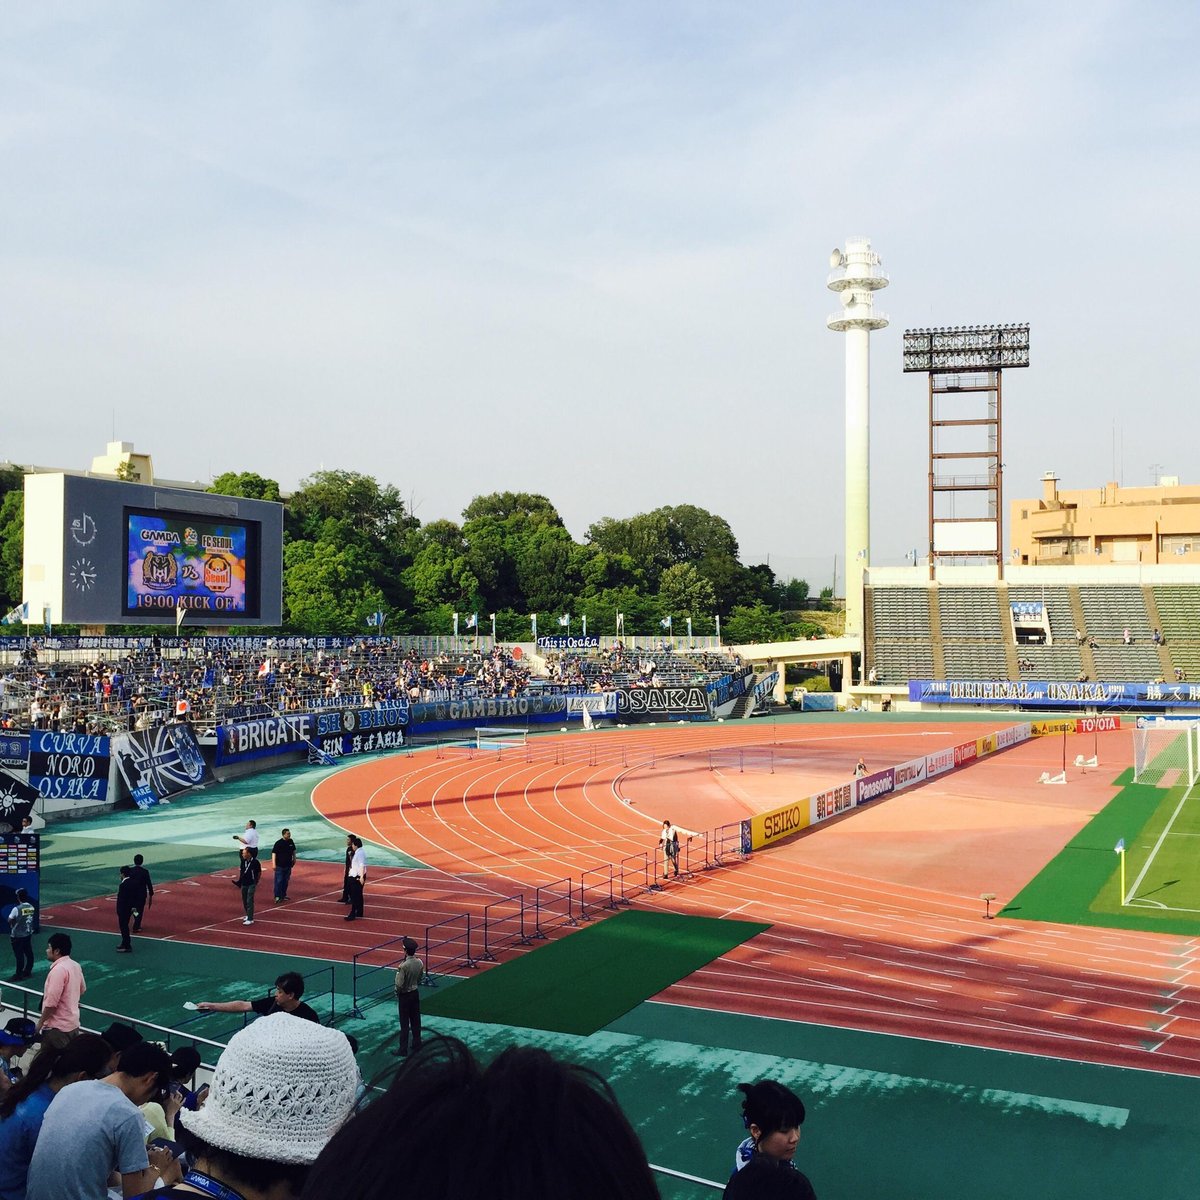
column 93, row 1128
column 408, row 997
column 20, row 931
column 15, row 1039
column 763, row 1164
column 281, row 1090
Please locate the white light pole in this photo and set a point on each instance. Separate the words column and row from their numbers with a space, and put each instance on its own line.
column 856, row 276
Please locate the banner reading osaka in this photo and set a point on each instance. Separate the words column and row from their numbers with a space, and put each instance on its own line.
column 69, row 766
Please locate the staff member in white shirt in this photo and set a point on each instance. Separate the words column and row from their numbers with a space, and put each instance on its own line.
column 358, row 879
column 249, row 838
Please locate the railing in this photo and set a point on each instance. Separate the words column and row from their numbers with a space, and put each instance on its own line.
column 553, row 907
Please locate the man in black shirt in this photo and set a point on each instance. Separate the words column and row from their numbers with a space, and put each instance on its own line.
column 289, row 988
column 143, row 891
column 283, row 859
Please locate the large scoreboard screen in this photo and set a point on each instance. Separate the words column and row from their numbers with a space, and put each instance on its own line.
column 102, row 551
column 175, row 559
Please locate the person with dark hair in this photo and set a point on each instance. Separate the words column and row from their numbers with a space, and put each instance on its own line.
column 763, row 1165
column 23, row 1108
column 125, row 909
column 345, row 898
column 289, row 988
column 283, row 859
column 94, row 1128
column 119, row 1037
column 249, row 838
column 63, row 989
column 280, row 1091
column 143, row 891
column 249, row 873
column 408, row 996
column 20, row 931
column 540, row 1129
column 160, row 1113
column 357, row 880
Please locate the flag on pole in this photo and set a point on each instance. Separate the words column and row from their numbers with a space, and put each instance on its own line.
column 46, row 617
column 19, row 615
column 264, row 669
column 588, row 723
column 376, row 618
column 180, row 613
column 1119, row 848
column 565, row 619
column 533, row 622
column 665, row 622
column 473, row 621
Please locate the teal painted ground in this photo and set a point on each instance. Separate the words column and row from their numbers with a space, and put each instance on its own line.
column 888, row 1117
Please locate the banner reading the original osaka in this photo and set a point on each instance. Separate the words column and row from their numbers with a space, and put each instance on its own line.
column 69, row 766
column 159, row 763
column 1040, row 693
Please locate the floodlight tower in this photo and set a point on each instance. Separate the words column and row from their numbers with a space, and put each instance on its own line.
column 857, row 275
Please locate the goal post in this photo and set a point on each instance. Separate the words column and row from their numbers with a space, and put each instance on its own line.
column 1166, row 751
column 493, row 737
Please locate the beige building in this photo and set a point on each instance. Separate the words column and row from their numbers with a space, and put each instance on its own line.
column 1111, row 524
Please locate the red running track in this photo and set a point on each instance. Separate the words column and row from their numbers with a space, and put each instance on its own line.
column 876, row 918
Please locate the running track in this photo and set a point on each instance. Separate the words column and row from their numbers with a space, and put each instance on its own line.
column 876, row 918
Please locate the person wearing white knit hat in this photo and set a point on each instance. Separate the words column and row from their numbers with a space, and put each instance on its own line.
column 282, row 1088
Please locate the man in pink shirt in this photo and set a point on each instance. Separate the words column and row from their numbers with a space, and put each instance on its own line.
column 63, row 989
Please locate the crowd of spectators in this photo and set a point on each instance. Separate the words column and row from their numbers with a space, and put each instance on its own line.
column 206, row 684
column 146, row 685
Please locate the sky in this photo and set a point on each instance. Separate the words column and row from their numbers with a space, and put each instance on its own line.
column 581, row 249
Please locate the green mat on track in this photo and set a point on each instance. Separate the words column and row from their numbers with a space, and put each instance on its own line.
column 583, row 982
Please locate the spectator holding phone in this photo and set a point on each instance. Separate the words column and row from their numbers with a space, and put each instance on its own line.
column 160, row 1113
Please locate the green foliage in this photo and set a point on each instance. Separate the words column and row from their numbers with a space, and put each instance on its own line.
column 352, row 547
column 684, row 591
column 12, row 548
column 755, row 623
column 247, row 484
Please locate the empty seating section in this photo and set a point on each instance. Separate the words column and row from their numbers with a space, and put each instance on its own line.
column 898, row 662
column 903, row 634
column 969, row 613
column 1109, row 611
column 967, row 660
column 1060, row 661
column 1137, row 663
column 1179, row 610
column 900, row 613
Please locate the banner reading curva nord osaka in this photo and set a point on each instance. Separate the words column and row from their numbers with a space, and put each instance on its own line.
column 69, row 766
column 1040, row 693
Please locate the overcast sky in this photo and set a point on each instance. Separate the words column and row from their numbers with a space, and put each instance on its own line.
column 581, row 249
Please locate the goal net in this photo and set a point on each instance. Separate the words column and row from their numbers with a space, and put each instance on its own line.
column 1166, row 753
column 496, row 738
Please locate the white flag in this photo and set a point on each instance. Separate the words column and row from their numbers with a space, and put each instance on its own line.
column 588, row 723
column 565, row 619
column 472, row 620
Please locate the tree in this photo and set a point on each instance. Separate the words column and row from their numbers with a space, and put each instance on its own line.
column 12, row 547
column 684, row 591
column 247, row 484
column 519, row 551
column 755, row 623
column 327, row 589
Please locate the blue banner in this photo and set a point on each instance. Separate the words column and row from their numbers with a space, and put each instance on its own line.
column 14, row 750
column 69, row 766
column 1040, row 693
